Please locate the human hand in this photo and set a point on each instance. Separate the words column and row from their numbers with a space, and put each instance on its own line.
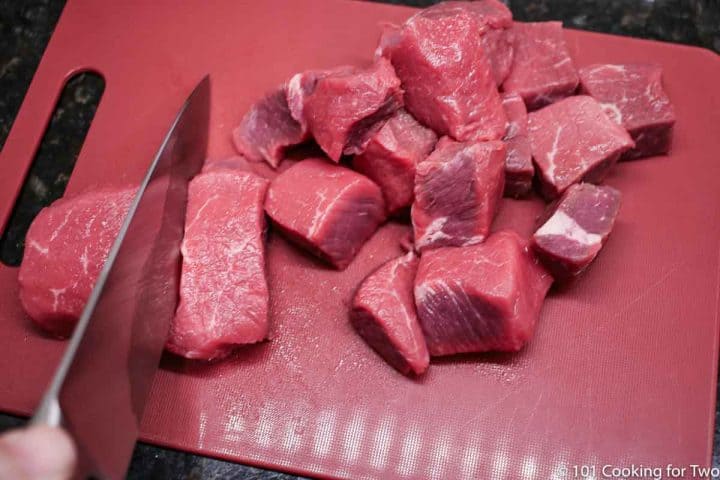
column 37, row 453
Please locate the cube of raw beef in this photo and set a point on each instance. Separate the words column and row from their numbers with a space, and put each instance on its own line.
column 633, row 96
column 480, row 298
column 223, row 290
column 488, row 14
column 499, row 47
column 65, row 249
column 519, row 168
column 542, row 70
column 327, row 209
column 576, row 228
column 391, row 155
column 346, row 108
column 572, row 141
column 303, row 84
column 267, row 129
column 497, row 37
column 446, row 74
column 457, row 193
column 383, row 313
column 494, row 21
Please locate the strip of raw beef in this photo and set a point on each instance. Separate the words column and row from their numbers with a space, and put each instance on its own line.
column 223, row 291
column 327, row 209
column 346, row 108
column 65, row 249
column 383, row 313
column 446, row 73
column 519, row 168
column 390, row 158
column 576, row 228
column 267, row 129
column 574, row 141
column 457, row 192
column 480, row 298
column 542, row 70
column 633, row 96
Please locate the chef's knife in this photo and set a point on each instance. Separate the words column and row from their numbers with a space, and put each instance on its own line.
column 99, row 390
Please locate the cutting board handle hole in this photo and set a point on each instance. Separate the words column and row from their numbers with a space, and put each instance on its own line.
column 54, row 159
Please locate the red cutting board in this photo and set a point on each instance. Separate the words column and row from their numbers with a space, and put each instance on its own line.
column 622, row 368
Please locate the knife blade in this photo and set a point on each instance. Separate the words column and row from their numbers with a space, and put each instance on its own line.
column 99, row 390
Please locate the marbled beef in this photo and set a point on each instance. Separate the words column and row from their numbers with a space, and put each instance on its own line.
column 480, row 298
column 457, row 192
column 345, row 107
column 391, row 155
column 575, row 228
column 267, row 129
column 223, row 291
column 327, row 209
column 633, row 96
column 446, row 73
column 542, row 71
column 573, row 140
column 65, row 249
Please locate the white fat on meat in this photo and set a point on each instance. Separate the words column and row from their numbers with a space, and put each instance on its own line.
column 613, row 112
column 433, row 232
column 553, row 154
column 563, row 225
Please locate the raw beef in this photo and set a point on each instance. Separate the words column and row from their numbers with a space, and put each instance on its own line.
column 446, row 74
column 488, row 14
column 391, row 155
column 65, row 249
column 267, row 129
column 542, row 70
column 495, row 20
column 327, row 209
column 223, row 291
column 480, row 298
column 383, row 313
column 299, row 88
column 232, row 163
column 239, row 163
column 346, row 108
column 576, row 228
column 302, row 85
column 633, row 96
column 573, row 140
column 519, row 168
column 457, row 192
column 499, row 47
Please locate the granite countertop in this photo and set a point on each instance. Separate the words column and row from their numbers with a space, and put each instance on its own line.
column 26, row 26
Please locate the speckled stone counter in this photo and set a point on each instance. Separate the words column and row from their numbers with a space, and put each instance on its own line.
column 26, row 26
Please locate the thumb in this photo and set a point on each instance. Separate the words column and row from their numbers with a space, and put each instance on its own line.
column 37, row 453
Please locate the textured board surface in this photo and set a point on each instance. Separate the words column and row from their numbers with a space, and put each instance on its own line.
column 623, row 365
